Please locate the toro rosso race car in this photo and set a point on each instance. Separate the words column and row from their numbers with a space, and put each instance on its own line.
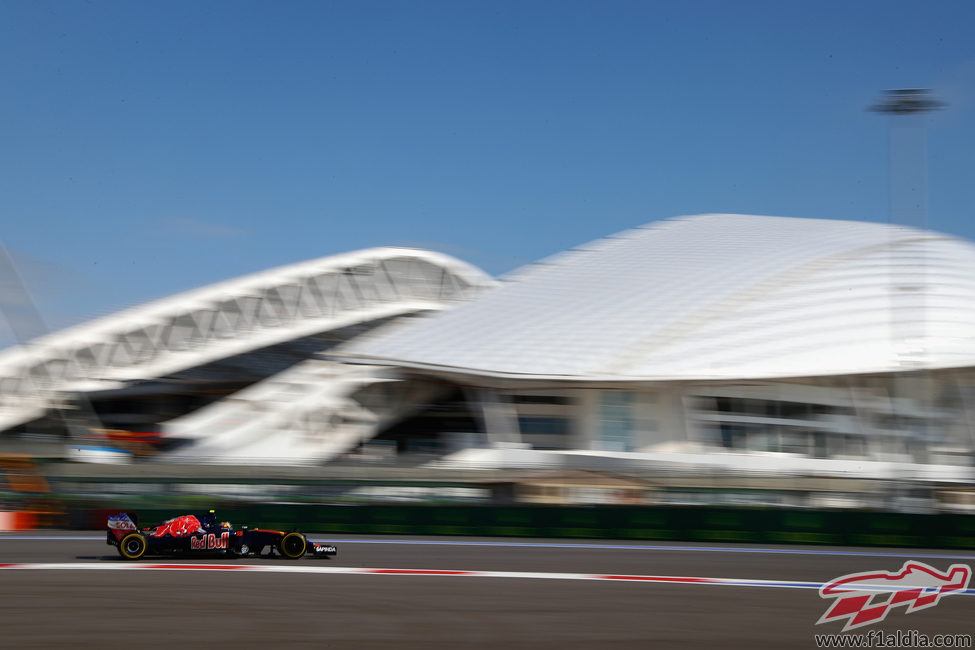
column 198, row 535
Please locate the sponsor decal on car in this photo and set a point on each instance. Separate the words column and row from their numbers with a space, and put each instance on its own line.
column 209, row 542
column 323, row 548
column 120, row 522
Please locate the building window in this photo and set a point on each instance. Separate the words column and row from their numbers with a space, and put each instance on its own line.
column 543, row 426
column 545, row 432
column 540, row 399
column 616, row 420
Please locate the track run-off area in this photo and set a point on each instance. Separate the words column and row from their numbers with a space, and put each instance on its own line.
column 73, row 589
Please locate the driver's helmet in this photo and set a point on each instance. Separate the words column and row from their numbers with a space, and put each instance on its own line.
column 226, row 524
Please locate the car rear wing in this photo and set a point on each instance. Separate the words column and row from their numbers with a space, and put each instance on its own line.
column 121, row 525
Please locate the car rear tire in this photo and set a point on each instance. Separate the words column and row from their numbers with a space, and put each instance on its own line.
column 132, row 546
column 292, row 546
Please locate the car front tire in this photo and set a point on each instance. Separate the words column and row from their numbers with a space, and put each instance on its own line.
column 292, row 546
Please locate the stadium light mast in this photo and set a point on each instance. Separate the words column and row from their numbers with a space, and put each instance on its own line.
column 907, row 195
column 908, row 176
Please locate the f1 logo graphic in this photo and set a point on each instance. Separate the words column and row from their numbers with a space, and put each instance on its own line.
column 866, row 598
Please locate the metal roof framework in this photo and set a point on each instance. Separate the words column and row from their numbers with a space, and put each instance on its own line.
column 226, row 319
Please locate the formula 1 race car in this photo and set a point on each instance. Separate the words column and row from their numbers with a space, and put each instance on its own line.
column 199, row 535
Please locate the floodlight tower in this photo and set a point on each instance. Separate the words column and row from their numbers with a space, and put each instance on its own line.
column 912, row 392
column 906, row 108
column 907, row 179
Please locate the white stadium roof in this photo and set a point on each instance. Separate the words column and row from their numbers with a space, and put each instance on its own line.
column 715, row 296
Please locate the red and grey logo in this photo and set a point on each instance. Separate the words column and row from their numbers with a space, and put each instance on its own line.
column 866, row 598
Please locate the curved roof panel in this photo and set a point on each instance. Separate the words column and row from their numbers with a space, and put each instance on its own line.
column 712, row 296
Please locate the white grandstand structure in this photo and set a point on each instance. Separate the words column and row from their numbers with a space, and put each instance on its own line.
column 219, row 339
column 728, row 342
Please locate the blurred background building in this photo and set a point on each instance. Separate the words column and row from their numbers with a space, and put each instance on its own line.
column 733, row 342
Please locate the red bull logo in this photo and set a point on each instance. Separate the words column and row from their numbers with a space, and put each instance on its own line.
column 866, row 598
column 209, row 542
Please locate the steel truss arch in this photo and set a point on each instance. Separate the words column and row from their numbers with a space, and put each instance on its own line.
column 228, row 318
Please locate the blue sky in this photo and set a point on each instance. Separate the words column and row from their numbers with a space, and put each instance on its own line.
column 150, row 148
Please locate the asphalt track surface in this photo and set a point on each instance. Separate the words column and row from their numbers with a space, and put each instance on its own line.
column 337, row 605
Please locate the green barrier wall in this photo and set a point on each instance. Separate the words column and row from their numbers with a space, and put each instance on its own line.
column 696, row 524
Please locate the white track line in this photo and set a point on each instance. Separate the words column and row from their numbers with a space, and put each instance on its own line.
column 305, row 568
column 291, row 568
column 607, row 546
